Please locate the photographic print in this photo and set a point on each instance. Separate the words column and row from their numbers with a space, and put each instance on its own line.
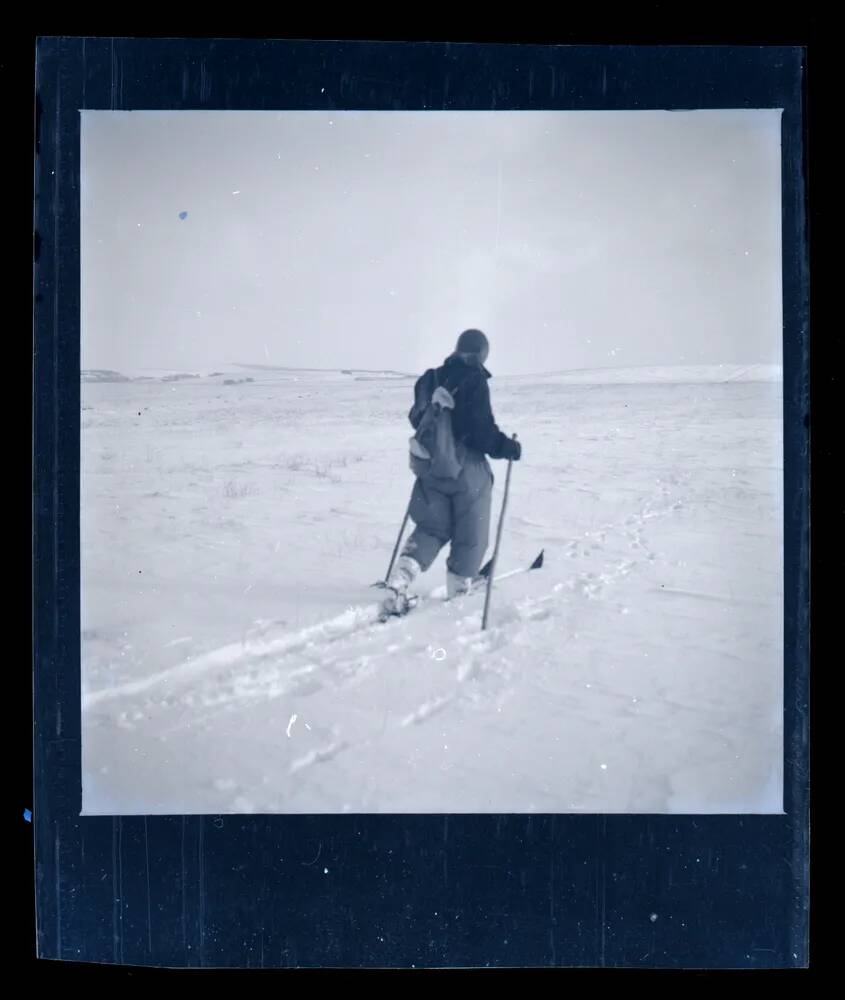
column 520, row 369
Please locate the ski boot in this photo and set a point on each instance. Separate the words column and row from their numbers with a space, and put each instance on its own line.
column 457, row 586
column 398, row 602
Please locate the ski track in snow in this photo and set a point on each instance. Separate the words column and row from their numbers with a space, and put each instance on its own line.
column 330, row 654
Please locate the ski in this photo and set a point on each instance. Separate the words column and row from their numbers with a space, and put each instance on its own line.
column 410, row 604
column 484, row 572
column 480, row 578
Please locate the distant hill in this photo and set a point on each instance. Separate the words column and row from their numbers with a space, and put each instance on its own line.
column 677, row 374
column 104, row 375
column 365, row 375
column 107, row 375
column 233, row 374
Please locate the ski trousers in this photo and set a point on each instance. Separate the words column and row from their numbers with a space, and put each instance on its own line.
column 456, row 511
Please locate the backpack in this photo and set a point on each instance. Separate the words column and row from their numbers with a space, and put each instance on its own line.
column 433, row 449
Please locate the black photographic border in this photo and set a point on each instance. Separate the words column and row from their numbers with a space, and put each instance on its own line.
column 411, row 890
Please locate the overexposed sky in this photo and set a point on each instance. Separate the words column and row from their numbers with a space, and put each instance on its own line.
column 371, row 239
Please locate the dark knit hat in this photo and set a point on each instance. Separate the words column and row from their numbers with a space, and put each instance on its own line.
column 472, row 342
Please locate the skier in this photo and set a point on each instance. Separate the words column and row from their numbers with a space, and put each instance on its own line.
column 454, row 507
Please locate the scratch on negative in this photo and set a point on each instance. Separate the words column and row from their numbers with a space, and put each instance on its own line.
column 307, row 864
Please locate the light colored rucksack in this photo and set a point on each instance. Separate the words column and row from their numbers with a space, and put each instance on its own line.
column 433, row 449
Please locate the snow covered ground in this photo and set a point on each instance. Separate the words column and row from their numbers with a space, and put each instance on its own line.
column 230, row 530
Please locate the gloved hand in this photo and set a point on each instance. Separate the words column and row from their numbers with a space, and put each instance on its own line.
column 512, row 450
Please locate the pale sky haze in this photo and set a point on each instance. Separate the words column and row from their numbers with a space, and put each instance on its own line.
column 371, row 239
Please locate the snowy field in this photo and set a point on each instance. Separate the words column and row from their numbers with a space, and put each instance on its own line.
column 232, row 524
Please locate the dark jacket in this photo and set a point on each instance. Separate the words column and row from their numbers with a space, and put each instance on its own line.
column 472, row 420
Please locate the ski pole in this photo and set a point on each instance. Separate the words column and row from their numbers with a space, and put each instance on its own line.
column 496, row 548
column 383, row 583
